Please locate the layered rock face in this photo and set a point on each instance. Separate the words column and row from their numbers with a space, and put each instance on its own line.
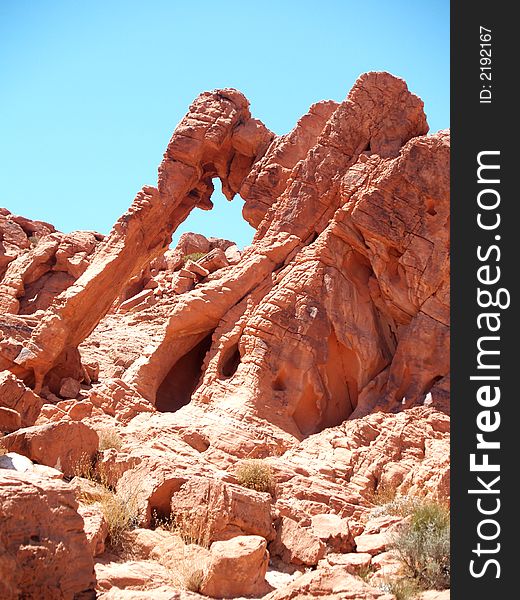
column 322, row 349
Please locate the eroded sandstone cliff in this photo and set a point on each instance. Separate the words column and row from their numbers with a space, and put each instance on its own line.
column 321, row 349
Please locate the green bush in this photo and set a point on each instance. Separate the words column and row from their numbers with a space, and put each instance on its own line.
column 194, row 256
column 423, row 545
column 255, row 474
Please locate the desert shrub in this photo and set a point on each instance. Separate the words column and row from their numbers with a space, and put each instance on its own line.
column 121, row 512
column 400, row 506
column 33, row 240
column 3, row 449
column 187, row 572
column 194, row 256
column 120, row 508
column 85, row 467
column 255, row 474
column 383, row 494
column 193, row 529
column 403, row 589
column 365, row 572
column 423, row 545
column 186, row 568
column 109, row 438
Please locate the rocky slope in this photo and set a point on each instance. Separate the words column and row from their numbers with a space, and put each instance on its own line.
column 321, row 351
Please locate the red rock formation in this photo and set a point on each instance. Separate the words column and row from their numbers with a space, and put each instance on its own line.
column 322, row 348
column 237, row 568
column 18, row 235
column 216, row 138
column 43, row 548
column 62, row 445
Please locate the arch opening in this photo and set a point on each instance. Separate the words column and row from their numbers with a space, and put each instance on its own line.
column 223, row 220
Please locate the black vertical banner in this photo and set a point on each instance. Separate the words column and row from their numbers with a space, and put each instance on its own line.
column 485, row 264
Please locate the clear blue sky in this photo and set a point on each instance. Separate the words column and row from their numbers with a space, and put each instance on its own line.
column 90, row 92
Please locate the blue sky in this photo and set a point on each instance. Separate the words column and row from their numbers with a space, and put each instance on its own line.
column 90, row 92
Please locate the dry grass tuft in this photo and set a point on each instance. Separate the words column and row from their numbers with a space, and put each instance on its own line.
column 85, row 467
column 191, row 528
column 255, row 474
column 383, row 494
column 120, row 508
column 109, row 438
column 187, row 572
column 121, row 512
column 187, row 566
column 365, row 572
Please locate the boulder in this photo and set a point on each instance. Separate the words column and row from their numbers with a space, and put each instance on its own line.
column 226, row 509
column 237, row 568
column 95, row 526
column 64, row 445
column 296, row 544
column 16, row 396
column 69, row 387
column 372, row 543
column 44, row 552
column 10, row 420
column 214, row 260
column 333, row 531
column 353, row 562
column 332, row 583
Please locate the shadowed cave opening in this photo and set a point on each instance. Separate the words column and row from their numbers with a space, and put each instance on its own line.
column 183, row 378
column 230, row 362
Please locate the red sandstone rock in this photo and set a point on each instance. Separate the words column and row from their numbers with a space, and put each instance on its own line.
column 233, row 255
column 353, row 562
column 16, row 396
column 333, row 583
column 434, row 595
column 69, row 388
column 62, row 445
column 198, row 151
column 95, row 526
column 10, row 420
column 144, row 298
column 18, row 235
column 374, row 543
column 52, row 262
column 227, row 510
column 333, row 531
column 43, row 548
column 214, row 260
column 131, row 575
column 296, row 544
column 17, row 462
column 237, row 568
